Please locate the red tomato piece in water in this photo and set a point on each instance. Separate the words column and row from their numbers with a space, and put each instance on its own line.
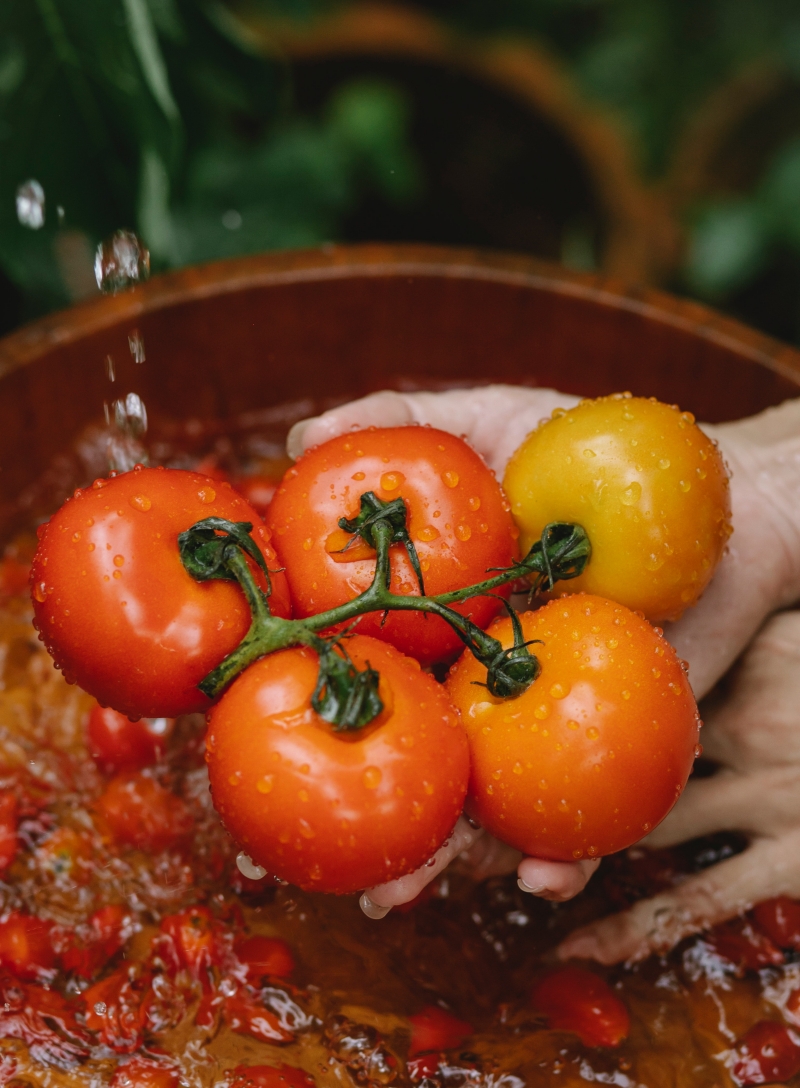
column 574, row 999
column 141, row 812
column 119, row 744
column 458, row 520
column 336, row 811
column 116, row 608
column 115, row 1008
column 780, row 920
column 435, row 1029
column 26, row 947
column 8, row 828
column 144, row 1073
column 194, row 937
column 767, row 1052
column 744, row 945
column 268, row 1076
column 265, row 957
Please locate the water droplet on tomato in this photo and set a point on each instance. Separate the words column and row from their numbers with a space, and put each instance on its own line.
column 235, row 778
column 265, row 784
column 631, row 495
column 577, row 854
column 474, row 503
column 589, row 453
column 40, row 592
column 306, row 830
column 463, row 532
column 119, row 560
column 372, row 778
column 76, row 537
column 698, row 750
column 391, row 481
column 592, row 732
column 685, row 485
column 206, row 495
column 140, row 502
column 451, row 478
column 427, row 533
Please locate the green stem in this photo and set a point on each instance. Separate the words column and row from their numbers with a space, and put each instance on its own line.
column 562, row 552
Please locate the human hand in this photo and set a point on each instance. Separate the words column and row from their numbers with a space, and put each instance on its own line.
column 759, row 574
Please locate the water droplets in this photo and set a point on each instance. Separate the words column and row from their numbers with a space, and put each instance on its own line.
column 121, row 261
column 248, row 868
column 450, row 478
column 30, row 204
column 632, row 494
column 136, row 346
column 372, row 778
column 141, row 502
column 427, row 533
column 392, row 481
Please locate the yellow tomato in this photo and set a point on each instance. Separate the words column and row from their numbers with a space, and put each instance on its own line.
column 646, row 484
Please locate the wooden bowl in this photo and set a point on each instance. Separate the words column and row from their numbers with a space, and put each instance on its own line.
column 231, row 337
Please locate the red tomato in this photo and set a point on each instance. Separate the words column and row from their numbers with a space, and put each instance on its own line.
column 457, row 517
column 116, row 608
column 268, row 1076
column 142, row 813
column 8, row 829
column 116, row 1009
column 332, row 811
column 574, row 999
column 247, row 1016
column 265, row 956
column 85, row 956
column 435, row 1029
column 118, row 744
column 767, row 1052
column 193, row 935
column 780, row 920
column 743, row 945
column 144, row 1073
column 258, row 490
column 26, row 947
column 597, row 750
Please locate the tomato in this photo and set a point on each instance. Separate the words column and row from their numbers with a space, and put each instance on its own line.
column 767, row 1052
column 597, row 750
column 332, row 811
column 193, row 936
column 119, row 744
column 265, row 956
column 574, row 999
column 258, row 490
column 8, row 828
column 739, row 942
column 86, row 954
column 646, row 484
column 268, row 1076
column 780, row 920
column 66, row 856
column 116, row 608
column 457, row 517
column 144, row 1073
column 247, row 1016
column 141, row 812
column 26, row 946
column 116, row 1009
column 435, row 1029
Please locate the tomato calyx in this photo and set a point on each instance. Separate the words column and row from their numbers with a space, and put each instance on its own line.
column 344, row 695
column 394, row 514
column 207, row 555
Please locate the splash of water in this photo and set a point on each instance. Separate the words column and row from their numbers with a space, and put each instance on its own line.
column 30, row 204
column 127, row 428
column 136, row 345
column 121, row 261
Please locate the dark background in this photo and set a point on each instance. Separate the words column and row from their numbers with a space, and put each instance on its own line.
column 658, row 140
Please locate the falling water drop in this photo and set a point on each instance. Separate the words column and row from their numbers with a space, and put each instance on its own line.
column 247, row 867
column 121, row 261
column 136, row 344
column 111, row 370
column 30, row 204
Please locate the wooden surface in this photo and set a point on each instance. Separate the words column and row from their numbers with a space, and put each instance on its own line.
column 230, row 337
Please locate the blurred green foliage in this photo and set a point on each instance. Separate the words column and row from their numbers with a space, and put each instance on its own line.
column 163, row 116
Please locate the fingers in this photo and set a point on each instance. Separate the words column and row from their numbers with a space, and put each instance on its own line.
column 555, row 880
column 405, row 888
column 768, row 868
column 761, row 802
column 495, row 418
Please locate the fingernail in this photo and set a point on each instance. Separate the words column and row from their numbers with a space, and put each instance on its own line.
column 372, row 910
column 531, row 891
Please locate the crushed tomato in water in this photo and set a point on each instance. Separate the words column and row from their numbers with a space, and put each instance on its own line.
column 134, row 953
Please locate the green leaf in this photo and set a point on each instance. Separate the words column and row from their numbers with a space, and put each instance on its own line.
column 728, row 247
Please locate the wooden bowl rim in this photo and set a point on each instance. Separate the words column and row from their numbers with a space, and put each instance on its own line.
column 371, row 260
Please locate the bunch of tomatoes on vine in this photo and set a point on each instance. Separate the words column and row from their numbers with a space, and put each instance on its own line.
column 364, row 673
